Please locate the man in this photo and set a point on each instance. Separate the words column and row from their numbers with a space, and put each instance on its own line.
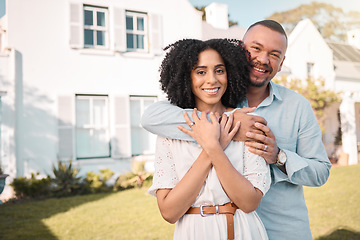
column 293, row 147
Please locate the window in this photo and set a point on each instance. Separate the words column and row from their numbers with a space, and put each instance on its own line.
column 142, row 142
column 310, row 70
column 92, row 126
column 95, row 27
column 136, row 31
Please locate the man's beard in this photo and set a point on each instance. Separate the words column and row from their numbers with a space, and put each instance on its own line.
column 267, row 68
column 258, row 84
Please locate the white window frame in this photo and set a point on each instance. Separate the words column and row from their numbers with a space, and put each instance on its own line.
column 95, row 28
column 91, row 125
column 310, row 69
column 136, row 32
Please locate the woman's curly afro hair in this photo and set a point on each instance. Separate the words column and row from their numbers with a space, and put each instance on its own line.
column 182, row 57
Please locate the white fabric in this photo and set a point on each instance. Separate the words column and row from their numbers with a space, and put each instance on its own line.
column 175, row 157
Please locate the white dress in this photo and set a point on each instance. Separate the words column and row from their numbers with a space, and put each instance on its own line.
column 174, row 158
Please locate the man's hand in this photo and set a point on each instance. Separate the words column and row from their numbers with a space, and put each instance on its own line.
column 263, row 144
column 247, row 123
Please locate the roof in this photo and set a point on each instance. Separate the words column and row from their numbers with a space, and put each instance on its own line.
column 209, row 32
column 344, row 52
column 346, row 60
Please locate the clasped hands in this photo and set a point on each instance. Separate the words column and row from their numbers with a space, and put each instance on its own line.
column 253, row 131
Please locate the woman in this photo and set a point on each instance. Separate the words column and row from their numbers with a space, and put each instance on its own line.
column 210, row 189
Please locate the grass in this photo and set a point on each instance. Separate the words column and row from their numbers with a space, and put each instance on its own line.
column 334, row 211
column 131, row 214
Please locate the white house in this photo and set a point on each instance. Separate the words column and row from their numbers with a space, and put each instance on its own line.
column 309, row 55
column 75, row 76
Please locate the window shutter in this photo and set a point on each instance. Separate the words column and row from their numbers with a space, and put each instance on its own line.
column 121, row 134
column 119, row 30
column 156, row 41
column 66, row 128
column 75, row 26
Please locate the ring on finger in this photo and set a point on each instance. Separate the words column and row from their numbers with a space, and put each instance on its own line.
column 192, row 124
column 265, row 147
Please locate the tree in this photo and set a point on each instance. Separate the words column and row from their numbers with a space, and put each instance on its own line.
column 332, row 22
column 313, row 90
column 202, row 9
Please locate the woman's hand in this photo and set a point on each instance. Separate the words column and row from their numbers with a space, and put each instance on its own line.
column 226, row 133
column 206, row 133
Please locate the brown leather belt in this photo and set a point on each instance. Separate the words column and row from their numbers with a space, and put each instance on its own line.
column 229, row 209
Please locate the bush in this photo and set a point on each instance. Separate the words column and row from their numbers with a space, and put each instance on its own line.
column 97, row 182
column 31, row 188
column 66, row 183
column 137, row 178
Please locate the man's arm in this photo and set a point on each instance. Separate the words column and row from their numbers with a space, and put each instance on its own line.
column 264, row 144
column 307, row 162
column 162, row 118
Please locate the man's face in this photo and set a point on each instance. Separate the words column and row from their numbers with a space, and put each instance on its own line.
column 267, row 48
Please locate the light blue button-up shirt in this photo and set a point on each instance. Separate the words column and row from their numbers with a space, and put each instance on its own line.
column 291, row 119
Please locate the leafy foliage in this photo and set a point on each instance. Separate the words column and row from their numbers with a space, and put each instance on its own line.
column 137, row 178
column 332, row 22
column 31, row 188
column 66, row 183
column 97, row 182
column 314, row 90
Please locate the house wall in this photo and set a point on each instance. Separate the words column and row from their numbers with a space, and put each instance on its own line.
column 306, row 45
column 48, row 68
column 349, row 85
column 7, row 115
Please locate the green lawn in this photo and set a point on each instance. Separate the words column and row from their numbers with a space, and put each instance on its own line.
column 334, row 211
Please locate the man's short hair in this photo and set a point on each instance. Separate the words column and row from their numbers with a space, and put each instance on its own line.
column 273, row 25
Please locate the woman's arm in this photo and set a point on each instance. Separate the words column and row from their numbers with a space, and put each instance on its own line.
column 211, row 135
column 173, row 203
column 237, row 187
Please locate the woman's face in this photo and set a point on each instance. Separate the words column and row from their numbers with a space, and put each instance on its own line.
column 209, row 81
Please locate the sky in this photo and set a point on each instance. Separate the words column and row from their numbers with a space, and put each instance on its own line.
column 247, row 12
column 2, row 8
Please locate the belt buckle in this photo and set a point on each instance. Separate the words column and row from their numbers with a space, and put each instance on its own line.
column 202, row 210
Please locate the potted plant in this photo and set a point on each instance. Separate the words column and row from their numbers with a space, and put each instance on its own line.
column 2, row 179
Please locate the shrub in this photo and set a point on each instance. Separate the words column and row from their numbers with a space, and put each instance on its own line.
column 66, row 183
column 32, row 187
column 97, row 182
column 137, row 178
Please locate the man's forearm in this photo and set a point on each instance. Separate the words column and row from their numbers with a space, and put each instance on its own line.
column 162, row 118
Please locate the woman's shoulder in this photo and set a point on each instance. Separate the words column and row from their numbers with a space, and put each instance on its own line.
column 172, row 142
column 228, row 111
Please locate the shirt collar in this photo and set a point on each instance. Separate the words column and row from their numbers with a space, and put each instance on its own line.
column 274, row 93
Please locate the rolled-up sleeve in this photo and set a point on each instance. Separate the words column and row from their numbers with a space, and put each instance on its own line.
column 307, row 161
